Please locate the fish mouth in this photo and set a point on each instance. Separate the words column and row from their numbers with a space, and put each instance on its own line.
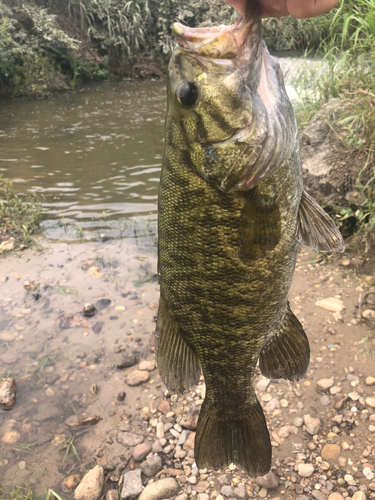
column 218, row 42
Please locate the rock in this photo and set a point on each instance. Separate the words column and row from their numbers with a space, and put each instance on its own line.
column 71, row 482
column 286, row 431
column 370, row 401
column 312, row 424
column 330, row 452
column 224, row 479
column 318, row 495
column 332, row 304
column 89, row 310
column 190, row 419
column 157, row 447
column 203, row 496
column 152, row 466
column 325, row 383
column 11, row 437
column 29, row 286
column 325, row 401
column 269, row 481
column 183, row 496
column 368, row 314
column 164, row 407
column 147, row 366
column 305, row 470
column 202, row 486
column 359, row 495
column 91, row 485
column 132, row 486
column 127, row 361
column 183, row 437
column 164, row 488
column 137, row 377
column 298, row 422
column 112, row 495
column 7, row 337
column 240, row 491
column 335, row 496
column 227, row 491
column 121, row 396
column 129, row 438
column 370, row 381
column 271, row 405
column 97, row 327
column 262, row 384
column 8, row 391
column 141, row 451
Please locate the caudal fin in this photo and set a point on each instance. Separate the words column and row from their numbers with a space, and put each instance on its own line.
column 243, row 440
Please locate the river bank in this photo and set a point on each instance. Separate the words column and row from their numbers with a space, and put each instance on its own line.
column 71, row 369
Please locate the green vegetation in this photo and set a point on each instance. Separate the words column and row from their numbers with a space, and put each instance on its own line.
column 20, row 217
column 17, row 493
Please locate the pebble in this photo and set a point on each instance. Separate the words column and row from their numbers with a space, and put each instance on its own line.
column 127, row 361
column 240, row 491
column 325, row 383
column 298, row 422
column 227, row 491
column 147, row 366
column 368, row 381
column 132, row 485
column 332, row 304
column 71, row 482
column 164, row 488
column 262, row 384
column 312, row 424
column 190, row 419
column 141, row 451
column 359, row 495
column 370, row 401
column 288, row 430
column 324, row 400
column 183, row 496
column 305, row 470
column 368, row 313
column 112, row 495
column 129, row 438
column 157, row 447
column 7, row 337
column 271, row 405
column 11, row 437
column 137, row 377
column 269, row 481
column 91, row 485
column 152, row 466
column 8, row 391
column 335, row 496
column 330, row 452
column 318, row 495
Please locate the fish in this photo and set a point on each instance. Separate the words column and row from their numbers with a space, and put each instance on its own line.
column 231, row 213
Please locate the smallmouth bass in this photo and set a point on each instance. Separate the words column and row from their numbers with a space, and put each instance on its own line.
column 231, row 213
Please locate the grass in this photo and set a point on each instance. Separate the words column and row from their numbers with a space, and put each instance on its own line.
column 20, row 216
column 17, row 493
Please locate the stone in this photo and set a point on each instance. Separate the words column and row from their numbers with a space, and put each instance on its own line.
column 368, row 314
column 11, row 437
column 129, row 438
column 112, row 495
column 202, row 486
column 262, row 384
column 359, row 495
column 330, row 452
column 224, row 479
column 156, row 447
column 271, row 405
column 203, row 496
column 8, row 392
column 141, row 451
column 190, row 419
column 324, row 400
column 147, row 366
column 335, row 496
column 268, row 481
column 298, row 422
column 91, row 485
column 287, row 430
column 312, row 424
column 183, row 437
column 370, row 381
column 137, row 377
column 164, row 406
column 370, row 401
column 332, row 304
column 325, row 383
column 7, row 337
column 318, row 495
column 29, row 286
column 183, row 496
column 132, row 485
column 305, row 470
column 89, row 310
column 227, row 491
column 164, row 488
column 126, row 361
column 71, row 482
column 240, row 491
column 152, row 466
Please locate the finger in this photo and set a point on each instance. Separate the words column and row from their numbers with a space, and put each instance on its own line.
column 309, row 8
column 239, row 5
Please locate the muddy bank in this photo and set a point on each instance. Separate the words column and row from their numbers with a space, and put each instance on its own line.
column 86, row 396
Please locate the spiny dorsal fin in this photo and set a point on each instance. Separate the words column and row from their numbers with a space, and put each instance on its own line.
column 260, row 226
column 287, row 354
column 316, row 229
column 178, row 366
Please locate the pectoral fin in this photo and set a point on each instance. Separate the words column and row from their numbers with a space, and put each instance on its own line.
column 260, row 226
column 178, row 366
column 316, row 229
column 287, row 354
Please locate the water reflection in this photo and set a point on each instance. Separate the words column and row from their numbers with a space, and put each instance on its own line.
column 93, row 151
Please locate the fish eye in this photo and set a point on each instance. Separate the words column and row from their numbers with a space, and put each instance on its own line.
column 187, row 94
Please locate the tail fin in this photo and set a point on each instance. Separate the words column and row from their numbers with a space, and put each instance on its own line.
column 243, row 440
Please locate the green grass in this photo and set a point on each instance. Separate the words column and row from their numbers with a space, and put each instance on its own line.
column 20, row 216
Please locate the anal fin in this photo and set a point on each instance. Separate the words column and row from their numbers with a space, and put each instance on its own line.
column 178, row 366
column 316, row 229
column 287, row 354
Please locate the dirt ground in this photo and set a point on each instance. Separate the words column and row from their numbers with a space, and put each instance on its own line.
column 73, row 370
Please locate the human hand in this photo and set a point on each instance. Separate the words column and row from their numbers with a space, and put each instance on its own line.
column 296, row 8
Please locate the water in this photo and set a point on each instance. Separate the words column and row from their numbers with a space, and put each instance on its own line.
column 95, row 154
